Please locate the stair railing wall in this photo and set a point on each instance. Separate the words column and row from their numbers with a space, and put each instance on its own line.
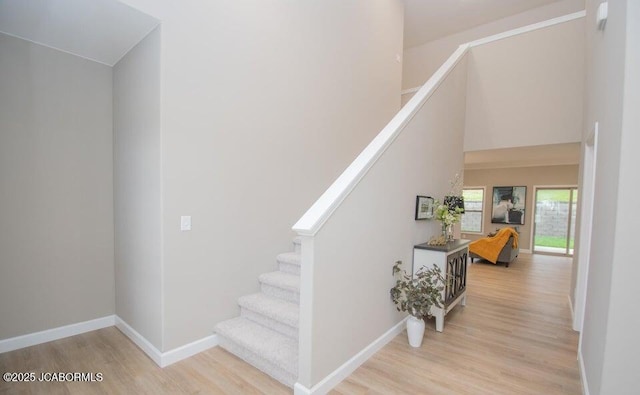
column 364, row 222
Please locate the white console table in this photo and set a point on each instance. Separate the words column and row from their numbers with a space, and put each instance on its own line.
column 452, row 261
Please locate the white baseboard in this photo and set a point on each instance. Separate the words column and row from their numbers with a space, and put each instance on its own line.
column 170, row 357
column 140, row 341
column 161, row 359
column 61, row 332
column 570, row 304
column 525, row 251
column 583, row 376
column 335, row 377
column 573, row 314
column 188, row 350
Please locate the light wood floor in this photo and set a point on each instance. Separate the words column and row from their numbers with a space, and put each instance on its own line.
column 513, row 337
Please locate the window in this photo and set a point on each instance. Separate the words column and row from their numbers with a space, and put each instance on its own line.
column 473, row 209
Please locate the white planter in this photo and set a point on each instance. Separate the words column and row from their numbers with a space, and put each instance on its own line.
column 415, row 331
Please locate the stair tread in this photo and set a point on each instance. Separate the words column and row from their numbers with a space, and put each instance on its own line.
column 261, row 341
column 292, row 258
column 282, row 280
column 274, row 308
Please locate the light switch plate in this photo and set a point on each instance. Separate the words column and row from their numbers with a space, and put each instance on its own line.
column 185, row 222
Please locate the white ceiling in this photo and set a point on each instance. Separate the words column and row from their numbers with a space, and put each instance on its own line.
column 100, row 30
column 539, row 155
column 427, row 20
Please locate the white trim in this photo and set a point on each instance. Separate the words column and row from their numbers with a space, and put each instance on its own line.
column 533, row 216
column 410, row 90
column 305, row 320
column 570, row 305
column 583, row 375
column 529, row 28
column 189, row 350
column 31, row 339
column 466, row 232
column 583, row 237
column 482, row 211
column 526, row 251
column 323, row 208
column 170, row 357
column 335, row 377
column 140, row 341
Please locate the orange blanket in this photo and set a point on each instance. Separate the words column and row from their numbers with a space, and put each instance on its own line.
column 489, row 247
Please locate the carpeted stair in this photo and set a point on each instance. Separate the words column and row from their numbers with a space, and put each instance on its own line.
column 266, row 333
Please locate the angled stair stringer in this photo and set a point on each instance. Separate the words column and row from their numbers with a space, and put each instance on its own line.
column 266, row 333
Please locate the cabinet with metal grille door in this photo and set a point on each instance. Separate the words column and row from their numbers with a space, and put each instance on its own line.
column 452, row 261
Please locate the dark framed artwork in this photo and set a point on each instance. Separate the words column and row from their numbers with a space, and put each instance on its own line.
column 424, row 207
column 509, row 205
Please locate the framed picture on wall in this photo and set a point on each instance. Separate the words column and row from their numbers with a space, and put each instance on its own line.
column 424, row 207
column 509, row 205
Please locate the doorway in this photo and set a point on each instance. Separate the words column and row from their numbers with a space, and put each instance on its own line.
column 555, row 220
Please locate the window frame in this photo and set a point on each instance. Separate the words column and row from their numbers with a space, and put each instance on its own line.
column 481, row 211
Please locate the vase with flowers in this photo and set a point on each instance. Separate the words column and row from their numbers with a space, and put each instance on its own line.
column 450, row 211
column 448, row 215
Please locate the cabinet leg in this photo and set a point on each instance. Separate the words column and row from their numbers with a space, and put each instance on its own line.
column 464, row 300
column 440, row 321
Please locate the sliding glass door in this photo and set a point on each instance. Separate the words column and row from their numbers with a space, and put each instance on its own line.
column 555, row 218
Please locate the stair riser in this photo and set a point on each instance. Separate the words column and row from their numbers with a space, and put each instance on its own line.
column 285, row 294
column 289, row 268
column 270, row 323
column 278, row 373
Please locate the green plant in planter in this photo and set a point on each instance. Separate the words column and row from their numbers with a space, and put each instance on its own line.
column 415, row 295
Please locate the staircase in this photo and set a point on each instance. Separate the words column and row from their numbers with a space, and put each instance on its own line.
column 266, row 333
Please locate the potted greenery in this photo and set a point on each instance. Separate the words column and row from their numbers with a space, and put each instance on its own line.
column 416, row 295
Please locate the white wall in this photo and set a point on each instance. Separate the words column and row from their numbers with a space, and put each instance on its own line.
column 421, row 61
column 354, row 251
column 137, row 189
column 56, row 189
column 620, row 369
column 609, row 345
column 264, row 103
column 527, row 89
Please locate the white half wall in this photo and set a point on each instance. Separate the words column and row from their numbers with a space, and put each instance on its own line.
column 348, row 306
column 137, row 175
column 56, row 189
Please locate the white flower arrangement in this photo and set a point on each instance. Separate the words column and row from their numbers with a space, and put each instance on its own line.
column 448, row 216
